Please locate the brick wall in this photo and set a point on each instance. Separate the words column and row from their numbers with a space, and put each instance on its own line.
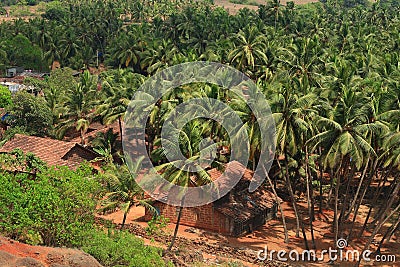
column 205, row 217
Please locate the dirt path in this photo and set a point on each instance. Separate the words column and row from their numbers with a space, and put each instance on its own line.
column 234, row 8
column 32, row 9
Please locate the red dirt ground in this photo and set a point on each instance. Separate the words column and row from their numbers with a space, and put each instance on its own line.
column 271, row 235
column 234, row 8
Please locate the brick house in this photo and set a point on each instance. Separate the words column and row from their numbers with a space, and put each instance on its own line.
column 235, row 214
column 53, row 152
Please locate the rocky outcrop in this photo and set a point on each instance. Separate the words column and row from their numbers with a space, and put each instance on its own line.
column 15, row 254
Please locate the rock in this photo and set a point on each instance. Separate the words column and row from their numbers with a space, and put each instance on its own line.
column 82, row 259
column 15, row 254
column 28, row 262
column 6, row 258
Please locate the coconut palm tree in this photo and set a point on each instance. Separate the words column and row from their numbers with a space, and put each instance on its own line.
column 289, row 112
column 248, row 52
column 79, row 105
column 345, row 146
column 191, row 137
column 118, row 88
column 123, row 191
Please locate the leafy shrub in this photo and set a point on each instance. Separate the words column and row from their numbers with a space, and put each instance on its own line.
column 5, row 97
column 20, row 11
column 157, row 225
column 18, row 160
column 53, row 208
column 244, row 2
column 56, row 208
column 122, row 249
column 30, row 113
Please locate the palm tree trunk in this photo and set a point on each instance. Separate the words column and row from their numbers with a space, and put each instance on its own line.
column 383, row 220
column 335, row 216
column 358, row 204
column 390, row 231
column 82, row 137
column 375, row 200
column 279, row 205
column 289, row 184
column 310, row 206
column 360, row 183
column 177, row 225
column 125, row 215
column 328, row 201
column 321, row 178
column 120, row 126
column 344, row 203
column 123, row 221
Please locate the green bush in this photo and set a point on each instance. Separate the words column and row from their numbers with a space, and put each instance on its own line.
column 30, row 113
column 54, row 208
column 20, row 11
column 122, row 249
column 57, row 207
column 157, row 225
column 5, row 97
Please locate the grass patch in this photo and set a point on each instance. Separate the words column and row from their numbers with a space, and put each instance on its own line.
column 244, row 2
column 118, row 248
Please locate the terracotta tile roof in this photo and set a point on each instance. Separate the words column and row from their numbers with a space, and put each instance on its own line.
column 98, row 128
column 239, row 204
column 232, row 168
column 53, row 152
column 243, row 205
column 222, row 178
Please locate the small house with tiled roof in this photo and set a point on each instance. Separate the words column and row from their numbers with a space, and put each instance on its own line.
column 53, row 152
column 237, row 213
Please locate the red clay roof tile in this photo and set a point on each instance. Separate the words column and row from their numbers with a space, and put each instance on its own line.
column 49, row 150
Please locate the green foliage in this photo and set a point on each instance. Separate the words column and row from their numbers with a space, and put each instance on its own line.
column 5, row 97
column 122, row 188
column 79, row 105
column 329, row 71
column 54, row 208
column 9, row 133
column 62, row 79
column 244, row 2
column 55, row 10
column 157, row 225
column 122, row 249
column 30, row 113
column 31, row 2
column 20, row 11
column 37, row 84
column 18, row 160
column 21, row 52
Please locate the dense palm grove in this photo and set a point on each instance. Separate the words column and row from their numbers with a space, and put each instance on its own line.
column 330, row 72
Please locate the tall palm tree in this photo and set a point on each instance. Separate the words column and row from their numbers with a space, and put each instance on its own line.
column 289, row 112
column 191, row 137
column 79, row 107
column 118, row 88
column 123, row 191
column 248, row 51
column 345, row 146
